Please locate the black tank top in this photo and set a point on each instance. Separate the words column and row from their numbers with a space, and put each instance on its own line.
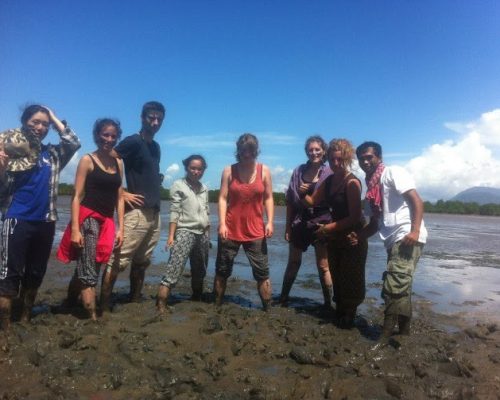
column 337, row 197
column 101, row 190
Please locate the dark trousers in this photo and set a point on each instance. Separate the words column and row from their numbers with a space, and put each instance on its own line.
column 25, row 252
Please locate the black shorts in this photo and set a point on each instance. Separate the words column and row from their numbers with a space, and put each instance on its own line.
column 255, row 250
column 25, row 252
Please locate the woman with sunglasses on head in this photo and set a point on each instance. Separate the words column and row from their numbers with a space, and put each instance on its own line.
column 302, row 221
column 29, row 176
column 90, row 236
column 188, row 231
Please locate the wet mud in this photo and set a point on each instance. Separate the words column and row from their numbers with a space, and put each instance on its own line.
column 198, row 351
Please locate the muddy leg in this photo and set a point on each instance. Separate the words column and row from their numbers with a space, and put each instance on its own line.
column 137, row 274
column 292, row 268
column 28, row 301
column 108, row 282
column 88, row 300
column 219, row 289
column 74, row 290
column 5, row 311
column 390, row 321
column 161, row 299
column 325, row 277
column 404, row 323
column 265, row 291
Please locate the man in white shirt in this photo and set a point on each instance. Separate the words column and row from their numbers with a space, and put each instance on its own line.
column 396, row 212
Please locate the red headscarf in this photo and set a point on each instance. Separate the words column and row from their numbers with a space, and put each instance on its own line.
column 374, row 190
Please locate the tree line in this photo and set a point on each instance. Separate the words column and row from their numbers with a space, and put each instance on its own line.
column 213, row 195
column 458, row 207
column 440, row 207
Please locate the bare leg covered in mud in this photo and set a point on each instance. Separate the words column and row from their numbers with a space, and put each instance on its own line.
column 292, row 268
column 265, row 291
column 161, row 299
column 325, row 276
column 28, row 299
column 5, row 312
column 108, row 282
column 88, row 300
column 219, row 289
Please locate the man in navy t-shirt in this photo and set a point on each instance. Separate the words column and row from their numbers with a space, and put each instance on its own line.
column 141, row 156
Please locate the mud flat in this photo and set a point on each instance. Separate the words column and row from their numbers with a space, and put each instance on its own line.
column 197, row 351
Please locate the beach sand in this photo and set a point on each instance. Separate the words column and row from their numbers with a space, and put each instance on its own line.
column 196, row 351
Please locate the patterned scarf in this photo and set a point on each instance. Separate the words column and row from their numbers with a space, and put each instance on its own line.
column 374, row 191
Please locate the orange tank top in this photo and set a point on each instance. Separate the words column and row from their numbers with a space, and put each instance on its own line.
column 245, row 210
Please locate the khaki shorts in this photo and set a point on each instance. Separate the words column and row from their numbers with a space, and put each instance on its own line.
column 141, row 234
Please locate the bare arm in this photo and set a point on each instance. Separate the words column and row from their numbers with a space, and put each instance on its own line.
column 317, row 197
column 84, row 167
column 416, row 215
column 120, row 210
column 289, row 218
column 224, row 189
column 268, row 201
column 172, row 227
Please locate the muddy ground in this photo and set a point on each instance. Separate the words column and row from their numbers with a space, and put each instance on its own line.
column 197, row 351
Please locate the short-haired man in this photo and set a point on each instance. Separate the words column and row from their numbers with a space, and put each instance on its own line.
column 141, row 157
column 396, row 212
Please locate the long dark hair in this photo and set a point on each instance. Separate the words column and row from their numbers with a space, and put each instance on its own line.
column 31, row 110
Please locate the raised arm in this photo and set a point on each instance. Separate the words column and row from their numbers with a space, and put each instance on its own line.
column 68, row 141
column 268, row 200
column 84, row 167
column 223, row 193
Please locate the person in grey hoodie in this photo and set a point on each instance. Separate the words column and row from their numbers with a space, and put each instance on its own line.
column 188, row 231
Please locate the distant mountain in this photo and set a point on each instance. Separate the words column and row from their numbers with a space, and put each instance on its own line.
column 479, row 194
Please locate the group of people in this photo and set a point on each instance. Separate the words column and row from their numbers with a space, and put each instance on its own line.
column 324, row 210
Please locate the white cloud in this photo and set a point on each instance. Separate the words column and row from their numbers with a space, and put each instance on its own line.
column 200, row 141
column 280, row 177
column 445, row 169
column 171, row 173
column 69, row 171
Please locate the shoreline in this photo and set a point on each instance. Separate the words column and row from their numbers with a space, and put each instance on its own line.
column 197, row 351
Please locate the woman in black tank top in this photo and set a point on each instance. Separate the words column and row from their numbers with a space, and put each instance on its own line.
column 98, row 192
column 342, row 192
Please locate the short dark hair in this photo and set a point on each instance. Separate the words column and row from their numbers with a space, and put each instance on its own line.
column 247, row 141
column 30, row 110
column 152, row 106
column 193, row 157
column 377, row 149
column 317, row 139
column 101, row 123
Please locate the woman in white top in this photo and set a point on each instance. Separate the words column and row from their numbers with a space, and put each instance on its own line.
column 188, row 231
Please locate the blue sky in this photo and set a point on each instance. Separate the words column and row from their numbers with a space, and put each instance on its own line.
column 419, row 77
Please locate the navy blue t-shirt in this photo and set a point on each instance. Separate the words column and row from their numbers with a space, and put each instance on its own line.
column 30, row 201
column 142, row 168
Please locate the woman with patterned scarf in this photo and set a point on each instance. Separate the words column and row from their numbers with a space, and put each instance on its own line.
column 29, row 176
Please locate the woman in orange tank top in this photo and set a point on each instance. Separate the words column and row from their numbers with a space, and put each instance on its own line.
column 245, row 193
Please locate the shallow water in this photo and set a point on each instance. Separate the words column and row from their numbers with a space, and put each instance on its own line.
column 459, row 272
